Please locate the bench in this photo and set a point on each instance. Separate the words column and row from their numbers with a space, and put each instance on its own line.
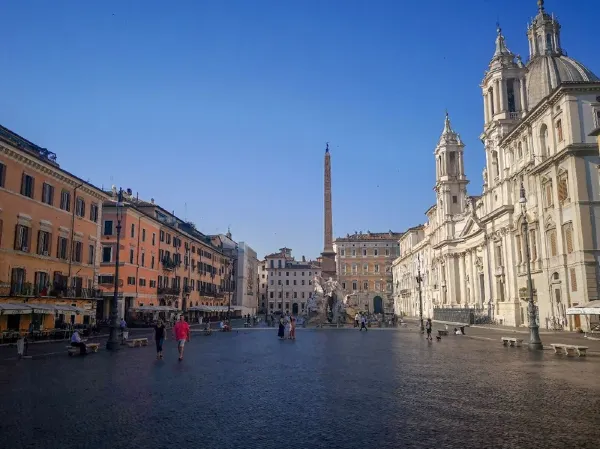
column 511, row 341
column 137, row 342
column 442, row 332
column 91, row 347
column 560, row 348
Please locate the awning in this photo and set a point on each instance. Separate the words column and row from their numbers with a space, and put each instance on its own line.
column 47, row 309
column 7, row 308
column 591, row 308
column 66, row 309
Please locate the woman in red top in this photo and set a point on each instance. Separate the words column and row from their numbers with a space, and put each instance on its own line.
column 182, row 334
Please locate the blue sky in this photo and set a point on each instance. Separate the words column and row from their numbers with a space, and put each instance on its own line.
column 220, row 110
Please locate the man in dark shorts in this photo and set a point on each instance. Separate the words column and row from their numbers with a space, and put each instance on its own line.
column 428, row 328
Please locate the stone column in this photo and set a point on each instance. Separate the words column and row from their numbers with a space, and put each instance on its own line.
column 462, row 291
column 522, row 94
column 490, row 101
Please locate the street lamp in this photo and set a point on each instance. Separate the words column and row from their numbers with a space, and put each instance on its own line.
column 113, row 340
column 419, row 280
column 534, row 335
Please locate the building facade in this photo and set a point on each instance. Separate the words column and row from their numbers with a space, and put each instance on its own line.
column 49, row 237
column 285, row 283
column 163, row 262
column 364, row 268
column 537, row 118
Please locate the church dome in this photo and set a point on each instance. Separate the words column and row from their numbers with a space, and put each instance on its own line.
column 546, row 72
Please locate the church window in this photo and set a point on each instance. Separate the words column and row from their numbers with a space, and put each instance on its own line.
column 548, row 194
column 553, row 250
column 548, row 43
column 563, row 189
column 454, row 199
column 510, row 93
column 568, row 234
column 559, row 130
column 573, row 280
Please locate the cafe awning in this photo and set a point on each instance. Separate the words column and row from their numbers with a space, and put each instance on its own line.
column 47, row 309
column 591, row 308
column 7, row 308
column 67, row 309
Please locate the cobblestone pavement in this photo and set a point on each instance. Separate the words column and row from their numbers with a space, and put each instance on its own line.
column 329, row 388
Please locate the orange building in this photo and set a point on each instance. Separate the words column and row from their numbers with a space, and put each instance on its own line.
column 166, row 266
column 49, row 239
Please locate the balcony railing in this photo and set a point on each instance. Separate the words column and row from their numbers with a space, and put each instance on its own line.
column 169, row 264
column 168, row 291
column 52, row 291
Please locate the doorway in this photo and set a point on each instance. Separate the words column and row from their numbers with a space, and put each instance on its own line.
column 295, row 308
column 377, row 304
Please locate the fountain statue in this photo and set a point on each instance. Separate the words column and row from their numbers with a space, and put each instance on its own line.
column 328, row 303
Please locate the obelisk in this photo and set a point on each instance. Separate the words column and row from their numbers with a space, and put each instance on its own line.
column 328, row 255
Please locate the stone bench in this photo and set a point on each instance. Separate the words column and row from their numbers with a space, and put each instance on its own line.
column 560, row 348
column 511, row 341
column 442, row 332
column 137, row 342
column 91, row 347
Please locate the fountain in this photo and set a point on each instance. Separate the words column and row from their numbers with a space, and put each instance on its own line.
column 329, row 305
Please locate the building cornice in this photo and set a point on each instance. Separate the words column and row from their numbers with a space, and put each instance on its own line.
column 53, row 171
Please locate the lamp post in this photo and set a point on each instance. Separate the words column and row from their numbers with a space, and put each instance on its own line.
column 534, row 335
column 113, row 340
column 419, row 280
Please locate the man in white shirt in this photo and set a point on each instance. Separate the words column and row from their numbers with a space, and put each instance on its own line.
column 356, row 319
column 76, row 341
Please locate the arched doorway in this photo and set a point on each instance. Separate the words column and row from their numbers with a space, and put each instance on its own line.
column 295, row 308
column 377, row 304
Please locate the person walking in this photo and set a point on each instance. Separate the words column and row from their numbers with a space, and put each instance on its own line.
column 356, row 318
column 292, row 328
column 181, row 330
column 428, row 328
column 281, row 331
column 363, row 323
column 124, row 332
column 159, row 336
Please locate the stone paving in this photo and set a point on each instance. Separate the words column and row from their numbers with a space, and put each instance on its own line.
column 329, row 388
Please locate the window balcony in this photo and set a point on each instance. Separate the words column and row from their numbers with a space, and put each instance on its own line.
column 168, row 263
column 172, row 291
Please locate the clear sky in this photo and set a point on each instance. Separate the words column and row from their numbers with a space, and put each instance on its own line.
column 220, row 110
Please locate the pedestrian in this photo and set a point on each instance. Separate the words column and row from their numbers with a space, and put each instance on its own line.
column 363, row 323
column 76, row 341
column 292, row 328
column 281, row 331
column 159, row 336
column 181, row 330
column 428, row 328
column 124, row 332
column 356, row 318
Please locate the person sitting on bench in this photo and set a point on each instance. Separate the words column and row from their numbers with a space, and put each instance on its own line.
column 76, row 341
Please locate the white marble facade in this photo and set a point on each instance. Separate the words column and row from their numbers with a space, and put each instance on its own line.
column 537, row 118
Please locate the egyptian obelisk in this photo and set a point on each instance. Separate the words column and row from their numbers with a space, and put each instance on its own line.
column 328, row 255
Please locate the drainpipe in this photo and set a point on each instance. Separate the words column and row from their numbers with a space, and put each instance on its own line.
column 72, row 235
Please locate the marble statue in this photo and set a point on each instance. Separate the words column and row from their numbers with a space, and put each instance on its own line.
column 327, row 305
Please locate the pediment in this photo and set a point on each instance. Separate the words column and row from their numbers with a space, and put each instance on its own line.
column 469, row 228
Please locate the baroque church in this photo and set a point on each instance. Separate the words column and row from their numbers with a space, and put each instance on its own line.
column 542, row 167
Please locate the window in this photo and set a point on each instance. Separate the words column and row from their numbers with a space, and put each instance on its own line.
column 143, row 235
column 387, row 252
column 520, row 150
column 47, row 194
column 152, row 284
column 2, row 174
column 168, row 238
column 271, row 295
column 271, row 282
column 27, row 182
column 568, row 233
column 563, row 189
column 559, row 130
column 108, row 227
column 91, row 251
column 454, row 199
column 106, row 254
column 376, row 252
column 287, row 295
column 131, row 256
column 353, row 253
column 498, row 255
column 94, row 212
column 344, row 285
column 65, row 200
column 548, row 194
column 78, row 252
column 22, row 235
column 376, row 268
column 342, row 252
column 366, row 268
column 41, row 282
column 143, row 259
column 80, row 207
column 552, row 249
column 130, row 280
column 162, row 236
column 303, row 282
column 294, row 281
column 43, row 247
column 152, row 262
column 533, row 244
column 354, row 285
column 573, row 280
column 510, row 95
column 142, row 282
column 287, row 282
column 364, row 252
column 62, row 247
column 106, row 279
column 132, row 230
column 366, row 286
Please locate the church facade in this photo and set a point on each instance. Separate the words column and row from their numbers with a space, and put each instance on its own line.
column 542, row 168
